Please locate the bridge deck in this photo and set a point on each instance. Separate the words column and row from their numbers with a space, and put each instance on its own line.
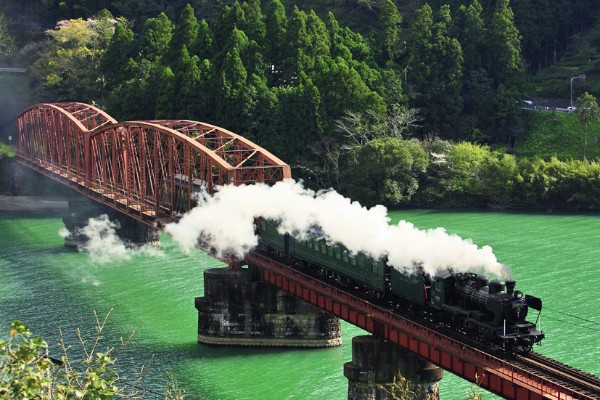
column 495, row 374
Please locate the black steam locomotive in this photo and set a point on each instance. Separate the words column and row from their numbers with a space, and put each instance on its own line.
column 491, row 312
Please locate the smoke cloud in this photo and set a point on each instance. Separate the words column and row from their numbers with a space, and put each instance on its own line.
column 224, row 221
column 104, row 245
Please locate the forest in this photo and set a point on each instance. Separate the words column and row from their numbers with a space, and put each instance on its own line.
column 398, row 103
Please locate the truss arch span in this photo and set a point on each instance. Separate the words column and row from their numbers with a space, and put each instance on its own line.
column 146, row 169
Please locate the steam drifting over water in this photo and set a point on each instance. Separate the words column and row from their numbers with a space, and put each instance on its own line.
column 104, row 245
column 224, row 221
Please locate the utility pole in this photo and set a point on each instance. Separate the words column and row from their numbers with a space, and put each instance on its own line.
column 581, row 77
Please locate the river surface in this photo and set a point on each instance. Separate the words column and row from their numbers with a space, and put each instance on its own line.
column 553, row 256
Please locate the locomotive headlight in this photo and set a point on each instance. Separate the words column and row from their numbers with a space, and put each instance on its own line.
column 518, row 294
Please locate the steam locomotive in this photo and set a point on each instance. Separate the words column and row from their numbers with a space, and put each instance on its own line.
column 491, row 312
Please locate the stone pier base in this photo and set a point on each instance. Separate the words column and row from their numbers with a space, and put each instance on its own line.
column 128, row 229
column 380, row 370
column 239, row 310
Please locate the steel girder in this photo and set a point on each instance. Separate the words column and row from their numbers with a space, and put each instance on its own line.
column 146, row 169
column 498, row 375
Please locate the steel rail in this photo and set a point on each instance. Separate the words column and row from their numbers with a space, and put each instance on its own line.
column 498, row 375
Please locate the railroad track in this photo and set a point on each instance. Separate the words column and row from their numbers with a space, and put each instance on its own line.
column 562, row 374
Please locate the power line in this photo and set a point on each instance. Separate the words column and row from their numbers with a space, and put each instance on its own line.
column 552, row 317
column 572, row 316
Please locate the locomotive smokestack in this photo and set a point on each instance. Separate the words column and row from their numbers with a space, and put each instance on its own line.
column 510, row 286
column 481, row 281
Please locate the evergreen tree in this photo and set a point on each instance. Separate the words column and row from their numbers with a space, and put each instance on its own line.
column 116, row 58
column 206, row 93
column 189, row 83
column 166, row 95
column 183, row 69
column 204, row 47
column 300, row 118
column 436, row 72
column 231, row 17
column 254, row 24
column 342, row 89
column 275, row 31
column 338, row 46
column 297, row 43
column 155, row 38
column 390, row 40
column 261, row 125
column 319, row 43
column 185, row 34
column 505, row 65
column 358, row 45
column 234, row 101
column 477, row 87
column 469, row 29
column 420, row 48
column 136, row 98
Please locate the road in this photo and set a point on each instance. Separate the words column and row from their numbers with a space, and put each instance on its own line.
column 14, row 70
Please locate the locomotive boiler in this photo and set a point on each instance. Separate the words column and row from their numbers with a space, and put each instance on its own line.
column 490, row 312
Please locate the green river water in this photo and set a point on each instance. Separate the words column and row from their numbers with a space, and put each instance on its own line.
column 553, row 256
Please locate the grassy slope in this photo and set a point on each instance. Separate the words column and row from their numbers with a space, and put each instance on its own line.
column 556, row 134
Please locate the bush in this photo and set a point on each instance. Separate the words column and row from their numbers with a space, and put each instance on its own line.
column 26, row 371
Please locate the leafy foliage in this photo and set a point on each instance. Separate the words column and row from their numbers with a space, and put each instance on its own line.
column 27, row 372
column 7, row 41
column 6, row 151
column 384, row 171
column 69, row 66
column 556, row 134
column 588, row 112
column 286, row 77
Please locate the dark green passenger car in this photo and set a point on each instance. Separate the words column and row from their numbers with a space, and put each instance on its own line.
column 348, row 267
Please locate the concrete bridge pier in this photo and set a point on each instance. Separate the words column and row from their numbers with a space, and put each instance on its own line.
column 380, row 370
column 128, row 229
column 239, row 309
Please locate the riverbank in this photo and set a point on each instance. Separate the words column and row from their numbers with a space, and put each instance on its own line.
column 32, row 203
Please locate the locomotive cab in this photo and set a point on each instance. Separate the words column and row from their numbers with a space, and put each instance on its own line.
column 441, row 286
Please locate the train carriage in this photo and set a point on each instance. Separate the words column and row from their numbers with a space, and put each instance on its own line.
column 467, row 303
column 347, row 268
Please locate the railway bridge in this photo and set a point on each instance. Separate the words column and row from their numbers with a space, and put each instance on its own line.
column 147, row 171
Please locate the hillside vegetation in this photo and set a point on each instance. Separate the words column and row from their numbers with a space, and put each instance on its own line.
column 556, row 134
column 395, row 103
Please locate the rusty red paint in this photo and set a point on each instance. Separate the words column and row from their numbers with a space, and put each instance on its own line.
column 491, row 373
column 145, row 169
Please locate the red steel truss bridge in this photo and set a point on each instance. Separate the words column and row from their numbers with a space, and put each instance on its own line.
column 147, row 170
column 144, row 169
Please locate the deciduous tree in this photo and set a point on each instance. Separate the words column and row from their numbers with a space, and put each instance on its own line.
column 7, row 41
column 68, row 68
column 588, row 112
column 384, row 171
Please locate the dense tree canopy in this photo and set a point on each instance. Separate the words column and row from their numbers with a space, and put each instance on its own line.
column 285, row 76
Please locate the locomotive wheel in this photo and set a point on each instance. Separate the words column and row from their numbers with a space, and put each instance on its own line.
column 526, row 348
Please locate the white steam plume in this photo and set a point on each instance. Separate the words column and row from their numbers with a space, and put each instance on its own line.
column 224, row 221
column 104, row 245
